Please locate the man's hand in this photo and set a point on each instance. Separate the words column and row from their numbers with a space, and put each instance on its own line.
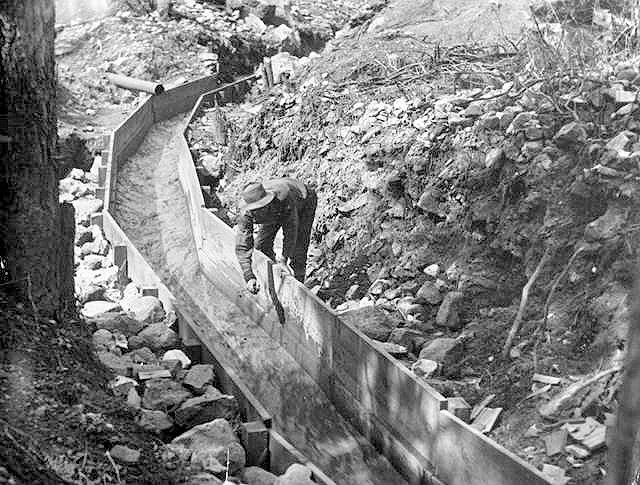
column 253, row 286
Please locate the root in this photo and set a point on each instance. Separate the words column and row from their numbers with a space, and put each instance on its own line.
column 515, row 327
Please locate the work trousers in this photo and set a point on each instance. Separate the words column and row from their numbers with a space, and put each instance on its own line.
column 267, row 234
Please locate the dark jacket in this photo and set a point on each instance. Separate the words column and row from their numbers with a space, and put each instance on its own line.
column 284, row 212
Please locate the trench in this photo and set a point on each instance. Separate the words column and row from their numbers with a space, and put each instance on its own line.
column 151, row 208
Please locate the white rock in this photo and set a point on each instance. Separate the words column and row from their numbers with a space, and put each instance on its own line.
column 432, row 270
column 94, row 308
column 296, row 474
column 177, row 354
column 121, row 385
column 424, row 368
column 147, row 309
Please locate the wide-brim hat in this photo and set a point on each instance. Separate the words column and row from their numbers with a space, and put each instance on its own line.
column 255, row 196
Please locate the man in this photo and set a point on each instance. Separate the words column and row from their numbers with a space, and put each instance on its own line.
column 279, row 203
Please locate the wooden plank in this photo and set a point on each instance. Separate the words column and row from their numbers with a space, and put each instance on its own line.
column 282, row 454
column 486, row 420
column 128, row 136
column 181, row 98
column 464, row 456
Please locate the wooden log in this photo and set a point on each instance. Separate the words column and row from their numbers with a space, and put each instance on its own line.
column 134, row 84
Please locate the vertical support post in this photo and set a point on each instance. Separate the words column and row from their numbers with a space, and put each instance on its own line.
column 190, row 341
column 102, row 175
column 254, row 437
column 120, row 260
column 150, row 291
column 268, row 71
column 96, row 219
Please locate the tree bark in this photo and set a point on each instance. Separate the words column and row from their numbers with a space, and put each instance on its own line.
column 30, row 221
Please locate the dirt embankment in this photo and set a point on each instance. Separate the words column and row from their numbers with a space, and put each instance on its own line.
column 445, row 173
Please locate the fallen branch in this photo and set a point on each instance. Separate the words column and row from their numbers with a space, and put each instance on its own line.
column 515, row 327
column 558, row 402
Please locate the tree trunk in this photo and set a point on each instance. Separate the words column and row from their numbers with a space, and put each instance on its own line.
column 30, row 221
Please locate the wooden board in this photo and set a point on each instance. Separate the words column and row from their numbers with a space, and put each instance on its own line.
column 464, row 456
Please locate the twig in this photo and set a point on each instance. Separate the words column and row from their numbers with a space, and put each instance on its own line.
column 113, row 463
column 523, row 303
column 84, row 459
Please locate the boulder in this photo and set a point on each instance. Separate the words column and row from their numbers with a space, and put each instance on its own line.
column 124, row 454
column 95, row 261
column 257, row 476
column 199, row 377
column 296, row 474
column 208, row 460
column 412, row 339
column 94, row 308
column 90, row 292
column 430, row 293
column 424, row 368
column 371, row 321
column 99, row 246
column 146, row 309
column 103, row 340
column 164, row 394
column 158, row 336
column 433, row 270
column 448, row 312
column 287, row 40
column 143, row 355
column 570, row 135
column 119, row 364
column 154, row 421
column 217, row 437
column 265, row 11
column 202, row 409
column 443, row 350
column 255, row 23
column 134, row 400
column 408, row 306
column 116, row 321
